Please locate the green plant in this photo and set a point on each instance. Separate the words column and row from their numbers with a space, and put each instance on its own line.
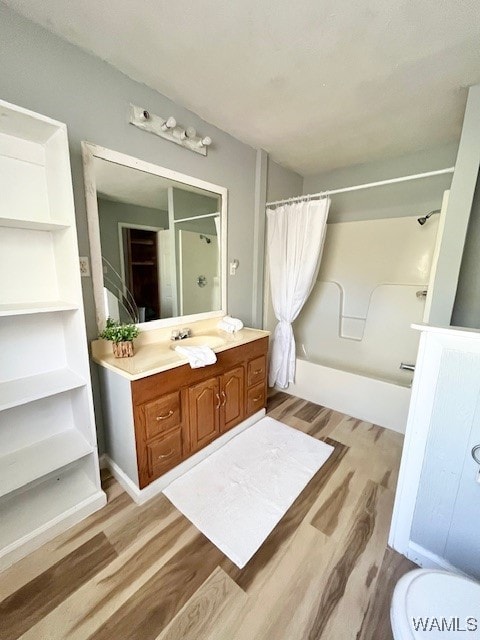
column 117, row 332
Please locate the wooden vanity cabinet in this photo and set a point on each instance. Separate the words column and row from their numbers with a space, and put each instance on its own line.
column 180, row 411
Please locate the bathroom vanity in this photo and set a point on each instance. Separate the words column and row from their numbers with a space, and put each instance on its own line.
column 161, row 416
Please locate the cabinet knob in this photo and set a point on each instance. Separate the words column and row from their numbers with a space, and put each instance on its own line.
column 257, row 371
column 219, row 402
column 167, row 415
column 224, row 396
column 257, row 398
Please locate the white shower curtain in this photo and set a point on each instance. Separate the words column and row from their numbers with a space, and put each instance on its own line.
column 295, row 236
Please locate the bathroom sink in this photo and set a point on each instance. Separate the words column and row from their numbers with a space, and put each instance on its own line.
column 208, row 340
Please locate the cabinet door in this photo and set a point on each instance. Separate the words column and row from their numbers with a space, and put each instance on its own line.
column 233, row 398
column 203, row 406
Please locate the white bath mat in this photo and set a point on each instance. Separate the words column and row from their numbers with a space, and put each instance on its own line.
column 238, row 494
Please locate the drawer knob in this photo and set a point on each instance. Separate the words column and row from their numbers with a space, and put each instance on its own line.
column 167, row 415
column 257, row 371
column 165, row 455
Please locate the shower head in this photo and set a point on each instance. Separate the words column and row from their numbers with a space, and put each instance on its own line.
column 423, row 219
column 207, row 240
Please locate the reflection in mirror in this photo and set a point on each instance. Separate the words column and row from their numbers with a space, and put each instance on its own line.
column 160, row 241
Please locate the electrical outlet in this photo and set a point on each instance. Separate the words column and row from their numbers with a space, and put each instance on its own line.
column 84, row 267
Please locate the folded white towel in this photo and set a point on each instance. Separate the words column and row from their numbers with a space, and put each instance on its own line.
column 230, row 325
column 198, row 356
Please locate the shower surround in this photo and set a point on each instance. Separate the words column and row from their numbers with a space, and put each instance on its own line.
column 355, row 328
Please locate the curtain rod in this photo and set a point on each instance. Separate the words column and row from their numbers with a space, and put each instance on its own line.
column 368, row 185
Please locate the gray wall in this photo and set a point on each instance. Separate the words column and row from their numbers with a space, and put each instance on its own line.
column 406, row 199
column 187, row 204
column 456, row 242
column 39, row 71
column 110, row 213
column 44, row 73
column 402, row 199
column 282, row 183
column 466, row 312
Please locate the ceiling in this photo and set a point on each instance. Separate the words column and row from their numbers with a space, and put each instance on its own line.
column 319, row 84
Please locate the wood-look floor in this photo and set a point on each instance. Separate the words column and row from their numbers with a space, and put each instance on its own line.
column 146, row 573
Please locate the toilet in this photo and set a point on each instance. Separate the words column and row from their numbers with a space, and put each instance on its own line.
column 433, row 604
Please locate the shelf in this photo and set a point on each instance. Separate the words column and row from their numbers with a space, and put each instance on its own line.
column 17, row 392
column 25, row 308
column 48, row 459
column 34, row 225
column 25, row 514
column 150, row 243
column 23, row 466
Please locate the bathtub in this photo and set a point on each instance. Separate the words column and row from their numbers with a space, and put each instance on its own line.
column 355, row 328
column 358, row 395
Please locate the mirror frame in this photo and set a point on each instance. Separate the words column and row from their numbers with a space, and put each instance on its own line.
column 91, row 151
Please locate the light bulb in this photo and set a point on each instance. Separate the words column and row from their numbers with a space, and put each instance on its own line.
column 179, row 133
column 170, row 123
column 191, row 132
column 206, row 142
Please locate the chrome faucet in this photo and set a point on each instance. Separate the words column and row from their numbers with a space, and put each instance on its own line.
column 181, row 334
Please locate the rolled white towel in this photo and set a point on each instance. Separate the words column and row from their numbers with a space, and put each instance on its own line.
column 230, row 324
column 225, row 326
column 200, row 356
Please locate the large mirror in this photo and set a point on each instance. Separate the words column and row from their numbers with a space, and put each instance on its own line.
column 157, row 241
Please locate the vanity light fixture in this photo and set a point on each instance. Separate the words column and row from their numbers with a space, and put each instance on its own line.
column 169, row 129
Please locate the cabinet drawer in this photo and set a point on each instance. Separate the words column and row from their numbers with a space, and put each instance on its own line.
column 162, row 414
column 164, row 453
column 256, row 398
column 257, row 370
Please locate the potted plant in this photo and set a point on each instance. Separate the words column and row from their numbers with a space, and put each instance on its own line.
column 121, row 336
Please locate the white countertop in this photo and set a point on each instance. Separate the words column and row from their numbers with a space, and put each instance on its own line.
column 154, row 351
column 462, row 332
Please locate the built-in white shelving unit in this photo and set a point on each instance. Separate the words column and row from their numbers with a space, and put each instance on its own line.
column 49, row 472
